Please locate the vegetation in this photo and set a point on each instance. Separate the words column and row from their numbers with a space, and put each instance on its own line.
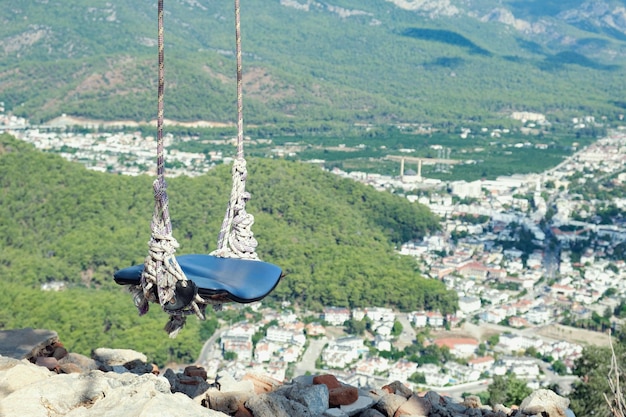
column 382, row 64
column 599, row 369
column 507, row 389
column 62, row 223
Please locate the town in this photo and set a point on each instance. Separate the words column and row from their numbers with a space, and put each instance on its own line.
column 530, row 256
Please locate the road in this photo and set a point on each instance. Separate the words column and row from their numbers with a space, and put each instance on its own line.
column 307, row 363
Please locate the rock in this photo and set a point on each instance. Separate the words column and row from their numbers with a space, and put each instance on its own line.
column 25, row 343
column 389, row 403
column 343, row 395
column 472, row 401
column 361, row 404
column 243, row 412
column 371, row 413
column 16, row 374
column 334, row 412
column 415, row 406
column 263, row 383
column 226, row 402
column 91, row 394
column 113, row 357
column 398, row 388
column 226, row 382
column 545, row 401
column 83, row 362
column 47, row 362
column 329, row 380
column 313, row 397
column 70, row 368
column 267, row 405
column 191, row 386
column 59, row 352
column 195, row 371
column 139, row 367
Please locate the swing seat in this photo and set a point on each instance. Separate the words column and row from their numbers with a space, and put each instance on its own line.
column 231, row 279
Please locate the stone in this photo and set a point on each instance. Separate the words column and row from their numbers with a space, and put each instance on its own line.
column 25, row 343
column 415, row 406
column 226, row 382
column 198, row 371
column 70, row 368
column 371, row 413
column 501, row 408
column 91, row 394
column 334, row 412
column 545, row 401
column 83, row 362
column 242, row 412
column 342, row 395
column 362, row 403
column 47, row 362
column 268, row 405
column 226, row 402
column 329, row 380
column 397, row 387
column 303, row 379
column 138, row 367
column 313, row 397
column 389, row 403
column 59, row 352
column 113, row 357
column 472, row 401
column 262, row 383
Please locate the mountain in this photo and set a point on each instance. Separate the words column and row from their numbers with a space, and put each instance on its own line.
column 314, row 62
column 62, row 224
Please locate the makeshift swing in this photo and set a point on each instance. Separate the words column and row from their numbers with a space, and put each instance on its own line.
column 186, row 284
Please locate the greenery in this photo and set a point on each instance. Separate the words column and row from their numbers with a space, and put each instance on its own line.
column 59, row 222
column 382, row 64
column 507, row 390
column 594, row 369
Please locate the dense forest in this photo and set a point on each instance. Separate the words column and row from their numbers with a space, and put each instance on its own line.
column 311, row 63
column 335, row 238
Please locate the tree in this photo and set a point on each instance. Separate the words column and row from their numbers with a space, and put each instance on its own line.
column 559, row 367
column 397, row 329
column 593, row 368
column 508, row 390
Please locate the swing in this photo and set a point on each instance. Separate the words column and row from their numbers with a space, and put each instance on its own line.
column 186, row 284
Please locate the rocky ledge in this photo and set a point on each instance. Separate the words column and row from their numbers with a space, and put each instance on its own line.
column 39, row 377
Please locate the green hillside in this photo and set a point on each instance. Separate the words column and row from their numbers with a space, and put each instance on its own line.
column 61, row 222
column 314, row 63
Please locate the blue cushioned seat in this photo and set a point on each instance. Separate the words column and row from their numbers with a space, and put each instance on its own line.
column 238, row 280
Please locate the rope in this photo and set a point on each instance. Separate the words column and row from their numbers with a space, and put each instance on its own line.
column 236, row 239
column 162, row 273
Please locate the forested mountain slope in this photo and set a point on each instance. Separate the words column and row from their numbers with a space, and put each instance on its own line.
column 61, row 222
column 316, row 62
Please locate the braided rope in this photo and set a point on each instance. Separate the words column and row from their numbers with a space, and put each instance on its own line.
column 236, row 239
column 161, row 271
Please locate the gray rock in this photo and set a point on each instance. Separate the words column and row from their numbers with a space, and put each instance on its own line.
column 363, row 403
column 114, row 357
column 25, row 343
column 334, row 412
column 371, row 413
column 314, row 397
column 389, row 403
column 267, row 405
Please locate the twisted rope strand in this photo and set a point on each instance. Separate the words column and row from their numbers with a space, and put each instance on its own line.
column 236, row 239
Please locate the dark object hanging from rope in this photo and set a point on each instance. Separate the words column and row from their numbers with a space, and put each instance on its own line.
column 186, row 284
